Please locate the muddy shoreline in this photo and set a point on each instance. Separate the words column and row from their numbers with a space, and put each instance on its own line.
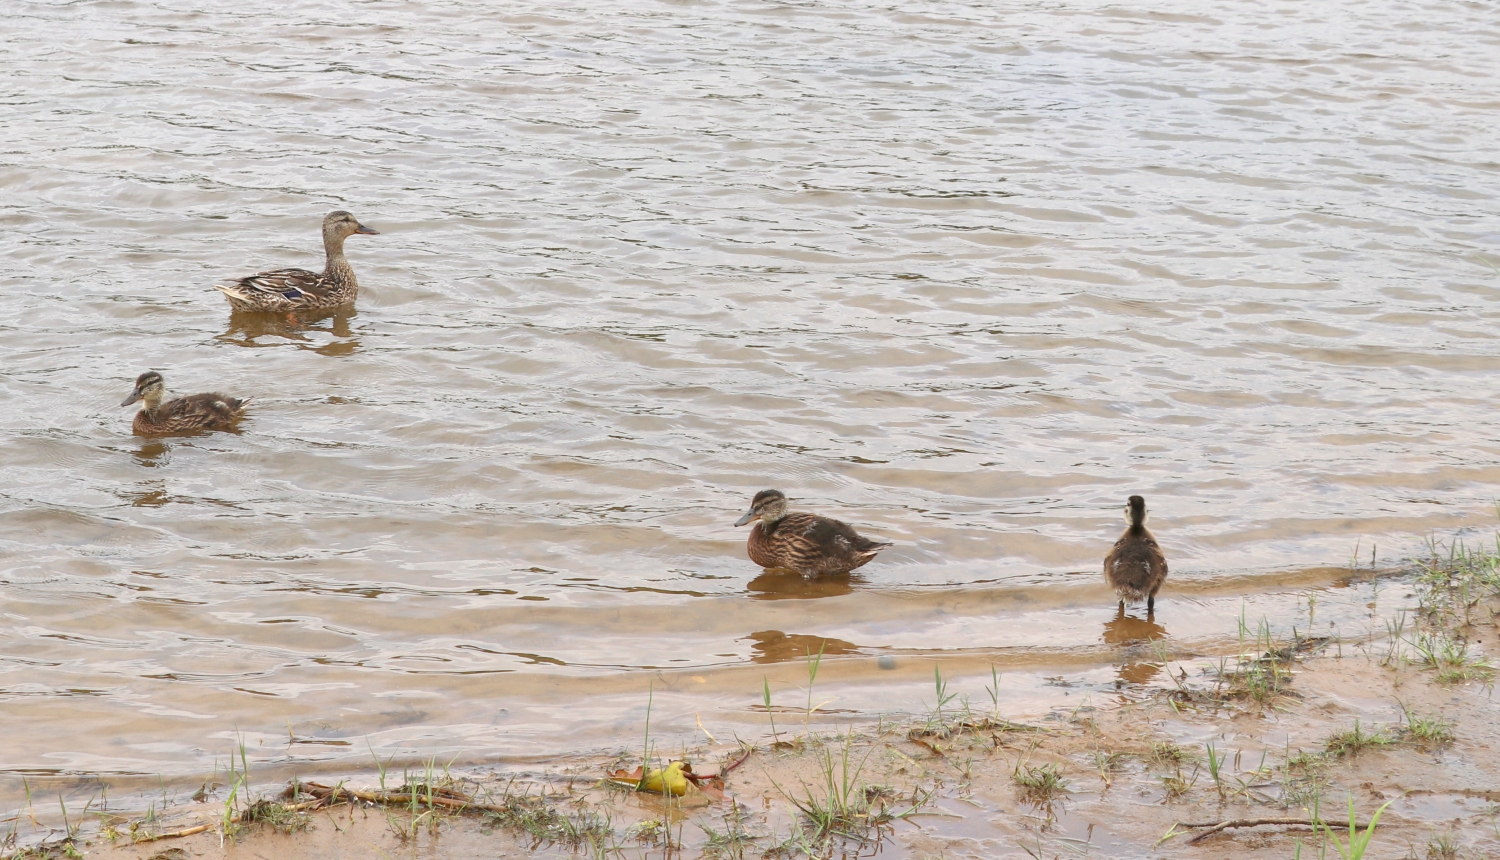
column 1400, row 720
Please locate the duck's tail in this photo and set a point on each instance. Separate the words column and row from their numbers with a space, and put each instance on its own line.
column 235, row 293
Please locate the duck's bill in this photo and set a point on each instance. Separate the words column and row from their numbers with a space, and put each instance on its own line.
column 134, row 396
column 749, row 515
column 367, row 231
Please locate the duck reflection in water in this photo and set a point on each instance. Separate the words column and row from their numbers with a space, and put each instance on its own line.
column 1134, row 635
column 246, row 326
column 152, row 453
column 782, row 584
column 773, row 646
column 153, row 494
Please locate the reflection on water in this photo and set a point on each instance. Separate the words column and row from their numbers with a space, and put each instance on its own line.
column 154, row 497
column 1140, row 662
column 248, row 328
column 773, row 646
column 1131, row 629
column 1138, row 672
column 788, row 584
column 151, row 453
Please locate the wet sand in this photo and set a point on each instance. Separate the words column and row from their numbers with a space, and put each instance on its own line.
column 1133, row 764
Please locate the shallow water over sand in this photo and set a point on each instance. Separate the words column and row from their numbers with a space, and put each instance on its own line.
column 964, row 275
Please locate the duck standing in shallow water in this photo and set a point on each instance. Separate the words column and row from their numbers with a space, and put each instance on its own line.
column 298, row 289
column 807, row 543
column 1135, row 567
column 183, row 415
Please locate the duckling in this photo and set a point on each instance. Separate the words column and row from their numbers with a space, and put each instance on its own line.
column 809, row 544
column 210, row 411
column 1135, row 567
column 297, row 289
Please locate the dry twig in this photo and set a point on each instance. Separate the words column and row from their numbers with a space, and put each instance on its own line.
column 1219, row 826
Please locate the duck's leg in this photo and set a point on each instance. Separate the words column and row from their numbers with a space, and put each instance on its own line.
column 1151, row 605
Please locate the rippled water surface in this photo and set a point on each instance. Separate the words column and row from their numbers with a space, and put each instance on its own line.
column 965, row 275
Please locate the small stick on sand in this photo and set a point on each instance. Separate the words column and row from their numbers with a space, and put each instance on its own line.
column 175, row 834
column 737, row 762
column 1219, row 826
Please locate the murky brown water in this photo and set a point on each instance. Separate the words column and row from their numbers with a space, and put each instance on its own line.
column 965, row 275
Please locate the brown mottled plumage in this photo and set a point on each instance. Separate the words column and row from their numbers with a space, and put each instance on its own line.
column 809, row 544
column 1135, row 567
column 189, row 414
column 298, row 289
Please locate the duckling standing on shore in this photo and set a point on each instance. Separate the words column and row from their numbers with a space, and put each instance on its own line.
column 298, row 289
column 807, row 543
column 1136, row 567
column 189, row 414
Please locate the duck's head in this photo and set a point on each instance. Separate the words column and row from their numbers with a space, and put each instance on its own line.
column 1135, row 511
column 768, row 507
column 339, row 225
column 149, row 387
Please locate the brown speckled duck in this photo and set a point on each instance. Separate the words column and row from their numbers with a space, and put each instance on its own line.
column 807, row 543
column 298, row 289
column 1135, row 567
column 183, row 415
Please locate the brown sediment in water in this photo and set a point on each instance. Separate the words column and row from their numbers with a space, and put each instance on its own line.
column 1285, row 730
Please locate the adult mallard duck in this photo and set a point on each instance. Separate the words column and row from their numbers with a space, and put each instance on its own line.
column 1135, row 567
column 189, row 414
column 298, row 289
column 807, row 543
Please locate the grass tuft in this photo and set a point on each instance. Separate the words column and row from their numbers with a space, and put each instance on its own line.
column 1109, row 764
column 1262, row 672
column 546, row 825
column 1176, row 785
column 1354, row 741
column 1442, row 846
column 1451, row 658
column 1359, row 842
column 841, row 805
column 275, row 815
column 1428, row 731
column 732, row 842
column 1040, row 784
column 1168, row 754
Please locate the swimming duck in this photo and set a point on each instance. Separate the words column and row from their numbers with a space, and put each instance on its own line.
column 298, row 289
column 210, row 411
column 1136, row 567
column 807, row 543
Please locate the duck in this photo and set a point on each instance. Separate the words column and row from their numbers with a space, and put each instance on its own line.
column 284, row 290
column 211, row 411
column 1135, row 567
column 809, row 544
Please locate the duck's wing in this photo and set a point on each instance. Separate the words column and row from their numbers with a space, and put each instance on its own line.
column 1114, row 557
column 843, row 535
column 201, row 410
column 278, row 289
column 830, row 545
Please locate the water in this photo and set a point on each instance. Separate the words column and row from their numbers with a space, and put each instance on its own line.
column 964, row 275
